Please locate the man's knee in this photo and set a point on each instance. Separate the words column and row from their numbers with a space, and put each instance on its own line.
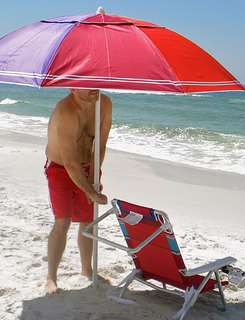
column 83, row 225
column 61, row 226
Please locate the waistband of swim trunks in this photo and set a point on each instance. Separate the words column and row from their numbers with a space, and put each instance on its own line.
column 54, row 164
column 47, row 164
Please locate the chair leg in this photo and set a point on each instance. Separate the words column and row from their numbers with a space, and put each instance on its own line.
column 189, row 300
column 191, row 297
column 130, row 278
column 124, row 288
column 220, row 289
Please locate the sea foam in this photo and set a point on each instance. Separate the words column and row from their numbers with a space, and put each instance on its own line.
column 8, row 101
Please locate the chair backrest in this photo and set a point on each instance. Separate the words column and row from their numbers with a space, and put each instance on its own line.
column 160, row 259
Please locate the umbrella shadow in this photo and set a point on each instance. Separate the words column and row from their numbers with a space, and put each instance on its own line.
column 67, row 304
column 87, row 303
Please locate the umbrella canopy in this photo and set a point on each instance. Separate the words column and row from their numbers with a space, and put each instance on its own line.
column 106, row 51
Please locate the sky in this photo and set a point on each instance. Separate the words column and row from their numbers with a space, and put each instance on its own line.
column 218, row 26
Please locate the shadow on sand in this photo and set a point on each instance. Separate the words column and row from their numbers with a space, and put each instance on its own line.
column 90, row 304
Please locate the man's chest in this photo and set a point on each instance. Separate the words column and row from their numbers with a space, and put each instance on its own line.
column 86, row 129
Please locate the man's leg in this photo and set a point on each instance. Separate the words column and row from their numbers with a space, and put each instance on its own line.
column 56, row 247
column 86, row 249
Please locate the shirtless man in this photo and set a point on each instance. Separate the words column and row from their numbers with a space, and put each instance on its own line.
column 70, row 173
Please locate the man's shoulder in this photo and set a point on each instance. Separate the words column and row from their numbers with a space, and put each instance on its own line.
column 64, row 102
column 65, row 105
column 106, row 101
column 65, row 110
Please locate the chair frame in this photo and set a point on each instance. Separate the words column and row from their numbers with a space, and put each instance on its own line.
column 190, row 294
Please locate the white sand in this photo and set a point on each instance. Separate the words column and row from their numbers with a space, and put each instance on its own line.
column 207, row 209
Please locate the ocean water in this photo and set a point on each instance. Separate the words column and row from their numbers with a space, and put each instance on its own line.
column 203, row 130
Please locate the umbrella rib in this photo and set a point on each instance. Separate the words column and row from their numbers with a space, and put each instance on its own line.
column 140, row 80
column 117, row 79
column 108, row 53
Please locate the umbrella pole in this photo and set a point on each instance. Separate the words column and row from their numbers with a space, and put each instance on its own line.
column 96, row 181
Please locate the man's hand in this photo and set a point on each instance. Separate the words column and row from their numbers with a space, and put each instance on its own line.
column 97, row 187
column 99, row 198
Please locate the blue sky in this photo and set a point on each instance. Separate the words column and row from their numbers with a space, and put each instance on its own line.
column 218, row 26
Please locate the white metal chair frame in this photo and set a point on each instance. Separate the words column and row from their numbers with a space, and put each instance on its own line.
column 191, row 294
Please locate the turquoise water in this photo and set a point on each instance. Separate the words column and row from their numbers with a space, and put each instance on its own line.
column 204, row 130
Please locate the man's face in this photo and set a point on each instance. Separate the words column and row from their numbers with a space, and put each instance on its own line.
column 88, row 95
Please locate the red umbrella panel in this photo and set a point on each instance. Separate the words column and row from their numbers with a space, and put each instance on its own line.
column 105, row 51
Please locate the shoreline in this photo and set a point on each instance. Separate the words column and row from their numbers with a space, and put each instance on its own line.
column 166, row 169
column 184, row 173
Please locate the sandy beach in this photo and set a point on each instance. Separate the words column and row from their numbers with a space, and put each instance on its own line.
column 206, row 208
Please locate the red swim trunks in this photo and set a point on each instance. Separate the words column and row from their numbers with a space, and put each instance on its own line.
column 67, row 200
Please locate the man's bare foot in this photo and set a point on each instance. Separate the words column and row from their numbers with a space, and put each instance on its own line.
column 100, row 278
column 104, row 280
column 51, row 287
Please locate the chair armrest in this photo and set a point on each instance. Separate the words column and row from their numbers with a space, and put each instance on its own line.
column 210, row 266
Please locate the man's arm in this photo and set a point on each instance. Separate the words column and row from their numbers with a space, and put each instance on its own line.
column 67, row 128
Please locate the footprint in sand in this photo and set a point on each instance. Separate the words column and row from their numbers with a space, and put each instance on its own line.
column 36, row 265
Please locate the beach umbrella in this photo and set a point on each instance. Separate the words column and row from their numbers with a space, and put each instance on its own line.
column 104, row 51
column 109, row 52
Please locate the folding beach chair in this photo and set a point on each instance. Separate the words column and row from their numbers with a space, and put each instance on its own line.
column 151, row 243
